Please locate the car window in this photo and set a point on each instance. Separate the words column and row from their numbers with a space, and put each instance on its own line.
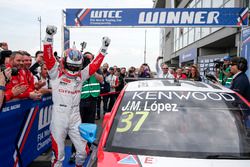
column 180, row 123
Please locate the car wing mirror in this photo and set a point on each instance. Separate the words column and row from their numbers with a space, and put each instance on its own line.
column 88, row 132
column 106, row 119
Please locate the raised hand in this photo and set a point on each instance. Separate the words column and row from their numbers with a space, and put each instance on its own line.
column 105, row 43
column 50, row 32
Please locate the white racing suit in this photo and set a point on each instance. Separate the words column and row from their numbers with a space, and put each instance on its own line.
column 66, row 91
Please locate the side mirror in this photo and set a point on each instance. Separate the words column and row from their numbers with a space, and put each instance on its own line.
column 106, row 119
column 88, row 131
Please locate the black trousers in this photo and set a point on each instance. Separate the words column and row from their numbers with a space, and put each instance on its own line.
column 112, row 99
column 105, row 100
column 87, row 112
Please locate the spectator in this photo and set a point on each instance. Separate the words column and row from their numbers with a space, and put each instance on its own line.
column 105, row 88
column 4, row 46
column 164, row 71
column 123, row 72
column 4, row 76
column 240, row 82
column 179, row 74
column 115, row 68
column 120, row 76
column 18, row 87
column 38, row 62
column 26, row 65
column 195, row 75
column 42, row 81
column 113, row 82
column 131, row 72
column 144, row 71
column 188, row 72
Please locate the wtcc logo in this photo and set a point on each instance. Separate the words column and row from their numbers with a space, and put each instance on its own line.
column 109, row 14
column 44, row 117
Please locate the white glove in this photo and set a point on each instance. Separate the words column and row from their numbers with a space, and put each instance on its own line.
column 105, row 44
column 50, row 32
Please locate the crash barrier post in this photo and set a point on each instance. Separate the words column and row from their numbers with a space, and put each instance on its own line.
column 24, row 132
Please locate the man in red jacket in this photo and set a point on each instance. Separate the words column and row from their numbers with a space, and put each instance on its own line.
column 18, row 87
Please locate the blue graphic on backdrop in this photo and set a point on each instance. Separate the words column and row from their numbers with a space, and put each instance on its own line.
column 155, row 17
column 245, row 47
column 66, row 39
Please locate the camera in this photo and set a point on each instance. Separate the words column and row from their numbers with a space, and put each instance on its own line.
column 218, row 64
column 3, row 55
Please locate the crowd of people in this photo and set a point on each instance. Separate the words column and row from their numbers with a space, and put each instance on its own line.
column 20, row 78
column 32, row 79
column 94, row 88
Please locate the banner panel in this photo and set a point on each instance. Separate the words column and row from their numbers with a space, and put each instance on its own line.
column 157, row 17
column 245, row 47
column 26, row 133
column 66, row 40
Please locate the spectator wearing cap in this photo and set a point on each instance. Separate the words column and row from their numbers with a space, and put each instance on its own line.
column 240, row 82
column 225, row 77
column 113, row 81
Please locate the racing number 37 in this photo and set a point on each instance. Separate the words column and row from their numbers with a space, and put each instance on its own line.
column 127, row 119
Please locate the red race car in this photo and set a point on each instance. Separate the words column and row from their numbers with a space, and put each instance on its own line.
column 168, row 123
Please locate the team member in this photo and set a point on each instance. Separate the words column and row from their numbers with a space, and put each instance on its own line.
column 89, row 94
column 240, row 81
column 66, row 82
column 225, row 77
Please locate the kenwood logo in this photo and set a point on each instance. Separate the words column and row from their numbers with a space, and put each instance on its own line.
column 44, row 117
column 200, row 17
column 110, row 14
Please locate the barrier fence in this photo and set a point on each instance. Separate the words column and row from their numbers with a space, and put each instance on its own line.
column 24, row 132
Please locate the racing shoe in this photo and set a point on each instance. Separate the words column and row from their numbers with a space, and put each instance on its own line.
column 72, row 158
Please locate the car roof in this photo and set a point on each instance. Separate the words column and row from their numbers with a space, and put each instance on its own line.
column 173, row 85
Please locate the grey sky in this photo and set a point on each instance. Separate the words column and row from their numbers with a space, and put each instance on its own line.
column 20, row 28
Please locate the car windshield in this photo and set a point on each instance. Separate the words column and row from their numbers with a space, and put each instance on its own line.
column 181, row 124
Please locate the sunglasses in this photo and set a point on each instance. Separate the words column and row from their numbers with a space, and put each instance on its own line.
column 164, row 68
column 233, row 64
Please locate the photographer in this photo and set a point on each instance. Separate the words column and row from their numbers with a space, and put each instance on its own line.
column 240, row 83
column 4, row 77
column 224, row 75
column 3, row 46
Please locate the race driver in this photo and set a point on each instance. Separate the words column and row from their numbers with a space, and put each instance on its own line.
column 66, row 81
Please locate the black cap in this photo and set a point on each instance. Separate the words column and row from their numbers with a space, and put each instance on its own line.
column 111, row 68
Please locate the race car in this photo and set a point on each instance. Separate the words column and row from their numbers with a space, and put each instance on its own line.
column 173, row 123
